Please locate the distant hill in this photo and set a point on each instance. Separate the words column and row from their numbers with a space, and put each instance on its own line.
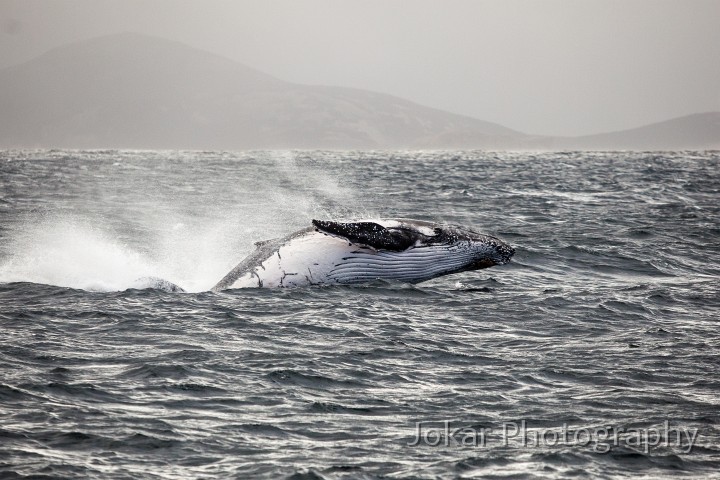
column 137, row 91
column 693, row 132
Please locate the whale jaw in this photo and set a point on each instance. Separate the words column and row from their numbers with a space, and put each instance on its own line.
column 480, row 264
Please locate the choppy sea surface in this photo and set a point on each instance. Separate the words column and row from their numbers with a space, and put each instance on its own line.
column 594, row 354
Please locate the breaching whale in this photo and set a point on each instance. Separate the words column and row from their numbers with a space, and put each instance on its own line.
column 331, row 253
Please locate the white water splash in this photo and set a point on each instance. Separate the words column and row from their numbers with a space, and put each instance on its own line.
column 71, row 253
column 189, row 240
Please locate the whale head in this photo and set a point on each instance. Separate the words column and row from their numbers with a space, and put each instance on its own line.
column 414, row 250
column 480, row 250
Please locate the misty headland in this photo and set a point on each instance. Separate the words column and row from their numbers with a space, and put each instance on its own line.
column 138, row 91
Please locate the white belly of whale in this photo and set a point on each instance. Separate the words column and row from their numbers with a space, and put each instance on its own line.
column 316, row 259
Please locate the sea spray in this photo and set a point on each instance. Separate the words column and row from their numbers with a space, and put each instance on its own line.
column 137, row 214
column 70, row 252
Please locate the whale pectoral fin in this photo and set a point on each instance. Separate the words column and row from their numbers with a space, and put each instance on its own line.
column 155, row 283
column 367, row 233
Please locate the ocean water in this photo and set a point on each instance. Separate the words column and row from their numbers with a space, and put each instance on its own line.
column 594, row 354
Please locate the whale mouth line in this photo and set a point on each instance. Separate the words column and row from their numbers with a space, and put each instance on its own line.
column 485, row 263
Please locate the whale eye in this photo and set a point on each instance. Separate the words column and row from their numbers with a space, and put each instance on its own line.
column 438, row 231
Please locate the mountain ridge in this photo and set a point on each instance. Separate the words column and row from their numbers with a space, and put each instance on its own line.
column 136, row 91
column 686, row 132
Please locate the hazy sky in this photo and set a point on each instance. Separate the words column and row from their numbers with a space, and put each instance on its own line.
column 561, row 67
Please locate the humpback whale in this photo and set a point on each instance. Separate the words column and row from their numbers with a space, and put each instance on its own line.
column 332, row 253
